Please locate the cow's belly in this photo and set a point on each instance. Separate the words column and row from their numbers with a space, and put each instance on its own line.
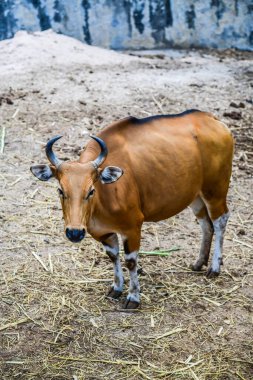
column 169, row 203
column 169, row 185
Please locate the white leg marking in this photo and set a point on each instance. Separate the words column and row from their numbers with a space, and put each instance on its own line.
column 207, row 233
column 118, row 282
column 113, row 250
column 131, row 256
column 197, row 205
column 134, row 287
column 219, row 228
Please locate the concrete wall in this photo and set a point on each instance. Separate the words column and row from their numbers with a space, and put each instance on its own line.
column 121, row 24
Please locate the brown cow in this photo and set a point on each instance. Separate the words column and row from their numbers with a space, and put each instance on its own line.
column 169, row 162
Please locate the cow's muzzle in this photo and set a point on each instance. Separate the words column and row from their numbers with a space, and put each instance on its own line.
column 75, row 235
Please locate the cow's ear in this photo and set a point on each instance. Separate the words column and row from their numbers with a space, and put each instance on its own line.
column 42, row 172
column 110, row 174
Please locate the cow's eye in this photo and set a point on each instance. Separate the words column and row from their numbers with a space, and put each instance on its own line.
column 61, row 193
column 90, row 193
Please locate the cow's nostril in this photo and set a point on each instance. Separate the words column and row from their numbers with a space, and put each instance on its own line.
column 68, row 234
column 75, row 235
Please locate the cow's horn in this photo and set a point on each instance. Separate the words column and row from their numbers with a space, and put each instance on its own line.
column 103, row 154
column 50, row 154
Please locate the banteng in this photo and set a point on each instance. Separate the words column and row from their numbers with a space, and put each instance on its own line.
column 140, row 170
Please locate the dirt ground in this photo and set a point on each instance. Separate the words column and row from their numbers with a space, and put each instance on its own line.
column 55, row 321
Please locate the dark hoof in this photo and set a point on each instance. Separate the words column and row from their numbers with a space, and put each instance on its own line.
column 131, row 305
column 196, row 267
column 114, row 294
column 141, row 272
column 211, row 273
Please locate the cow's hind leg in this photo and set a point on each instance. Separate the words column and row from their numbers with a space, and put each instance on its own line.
column 131, row 248
column 111, row 245
column 219, row 229
column 201, row 213
column 219, row 214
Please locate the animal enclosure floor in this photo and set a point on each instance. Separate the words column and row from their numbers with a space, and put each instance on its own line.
column 55, row 321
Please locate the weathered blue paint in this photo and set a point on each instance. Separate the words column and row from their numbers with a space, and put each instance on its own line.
column 57, row 13
column 251, row 38
column 159, row 19
column 86, row 30
column 127, row 8
column 122, row 24
column 42, row 14
column 236, row 7
column 220, row 8
column 190, row 17
column 7, row 19
column 169, row 17
column 138, row 15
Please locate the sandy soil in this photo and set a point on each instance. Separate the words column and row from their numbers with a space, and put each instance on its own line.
column 55, row 322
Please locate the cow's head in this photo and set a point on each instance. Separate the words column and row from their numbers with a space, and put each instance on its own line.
column 76, row 189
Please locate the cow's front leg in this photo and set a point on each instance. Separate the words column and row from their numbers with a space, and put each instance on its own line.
column 111, row 245
column 131, row 248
